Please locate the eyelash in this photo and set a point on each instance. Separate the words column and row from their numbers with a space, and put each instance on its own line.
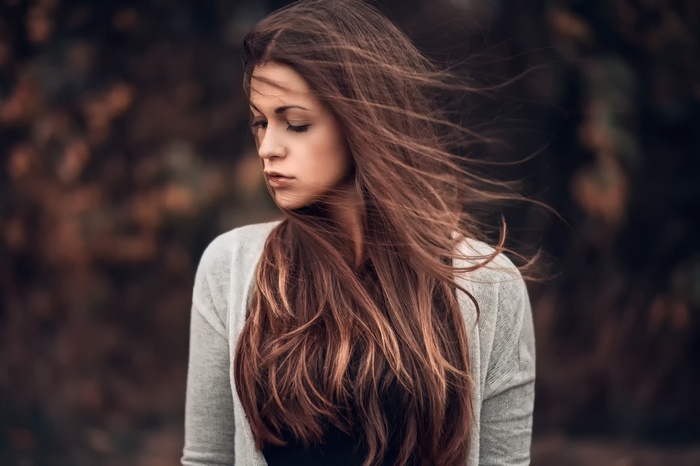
column 292, row 128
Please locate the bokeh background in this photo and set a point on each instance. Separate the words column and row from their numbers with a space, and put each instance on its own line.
column 124, row 150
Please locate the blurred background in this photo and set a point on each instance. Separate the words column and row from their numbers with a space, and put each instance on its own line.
column 124, row 150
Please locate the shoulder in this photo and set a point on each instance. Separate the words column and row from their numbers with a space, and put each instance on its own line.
column 499, row 290
column 496, row 275
column 241, row 238
column 242, row 243
column 228, row 259
column 505, row 327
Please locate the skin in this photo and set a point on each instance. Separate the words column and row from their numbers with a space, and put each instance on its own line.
column 298, row 137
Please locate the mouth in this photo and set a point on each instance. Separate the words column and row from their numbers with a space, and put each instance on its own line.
column 278, row 180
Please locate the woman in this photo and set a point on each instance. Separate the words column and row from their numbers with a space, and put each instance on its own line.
column 370, row 326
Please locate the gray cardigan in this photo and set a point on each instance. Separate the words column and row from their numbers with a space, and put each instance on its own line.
column 501, row 350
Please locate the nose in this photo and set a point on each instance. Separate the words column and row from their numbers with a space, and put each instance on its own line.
column 270, row 145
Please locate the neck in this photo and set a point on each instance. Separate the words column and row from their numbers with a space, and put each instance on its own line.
column 346, row 212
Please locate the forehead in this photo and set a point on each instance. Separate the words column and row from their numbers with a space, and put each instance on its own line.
column 274, row 84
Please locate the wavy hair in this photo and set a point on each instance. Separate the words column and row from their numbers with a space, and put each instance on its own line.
column 326, row 340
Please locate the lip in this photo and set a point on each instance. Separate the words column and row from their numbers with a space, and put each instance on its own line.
column 277, row 179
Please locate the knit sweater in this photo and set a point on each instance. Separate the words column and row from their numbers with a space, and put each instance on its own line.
column 501, row 352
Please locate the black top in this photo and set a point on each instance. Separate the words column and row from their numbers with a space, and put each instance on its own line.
column 339, row 448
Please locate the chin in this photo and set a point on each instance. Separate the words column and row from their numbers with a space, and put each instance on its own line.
column 313, row 207
column 291, row 204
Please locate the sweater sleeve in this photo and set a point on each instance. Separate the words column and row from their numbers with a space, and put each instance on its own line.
column 508, row 397
column 209, row 420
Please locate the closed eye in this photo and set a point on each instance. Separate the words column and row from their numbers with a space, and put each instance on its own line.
column 258, row 124
column 298, row 129
column 262, row 124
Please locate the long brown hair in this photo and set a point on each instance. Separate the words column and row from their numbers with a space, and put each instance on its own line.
column 324, row 334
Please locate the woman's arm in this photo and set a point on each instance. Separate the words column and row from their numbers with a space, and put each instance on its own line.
column 209, row 421
column 508, row 398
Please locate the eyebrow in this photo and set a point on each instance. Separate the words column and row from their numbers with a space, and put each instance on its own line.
column 282, row 109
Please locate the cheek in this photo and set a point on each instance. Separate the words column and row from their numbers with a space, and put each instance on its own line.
column 332, row 166
column 334, row 154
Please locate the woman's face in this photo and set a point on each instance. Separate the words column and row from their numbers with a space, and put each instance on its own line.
column 302, row 148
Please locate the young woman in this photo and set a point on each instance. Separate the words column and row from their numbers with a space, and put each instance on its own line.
column 370, row 326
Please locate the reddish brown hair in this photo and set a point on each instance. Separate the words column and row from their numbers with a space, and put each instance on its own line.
column 323, row 334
